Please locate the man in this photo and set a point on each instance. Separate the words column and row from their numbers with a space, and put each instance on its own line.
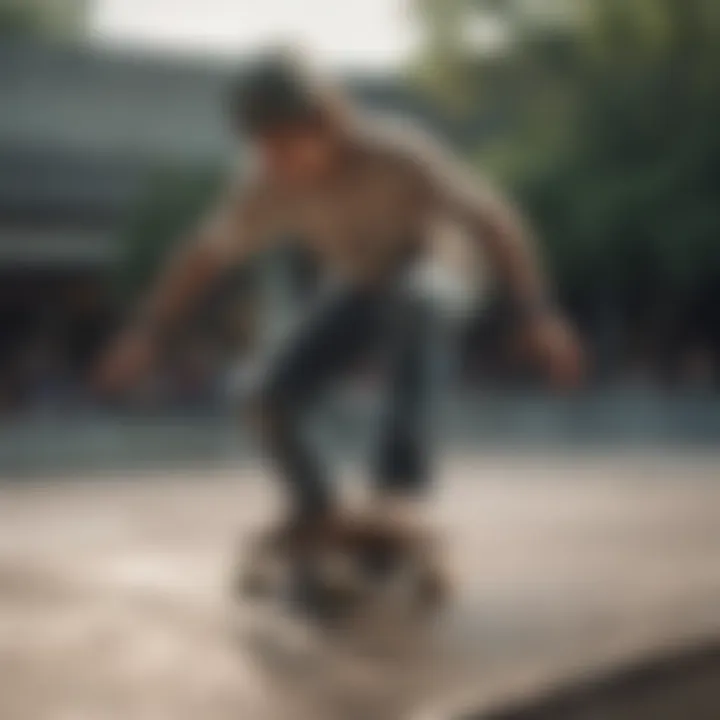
column 367, row 200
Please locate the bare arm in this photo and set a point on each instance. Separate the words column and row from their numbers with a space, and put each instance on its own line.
column 222, row 240
column 230, row 233
column 494, row 223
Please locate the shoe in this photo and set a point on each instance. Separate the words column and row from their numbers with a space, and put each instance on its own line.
column 402, row 516
column 271, row 555
column 400, row 540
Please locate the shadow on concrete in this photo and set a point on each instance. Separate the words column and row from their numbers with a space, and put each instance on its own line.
column 676, row 686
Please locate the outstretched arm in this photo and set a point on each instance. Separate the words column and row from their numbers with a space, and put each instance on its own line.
column 227, row 236
column 509, row 246
column 223, row 239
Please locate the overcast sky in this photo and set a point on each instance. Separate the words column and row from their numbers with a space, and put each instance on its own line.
column 369, row 34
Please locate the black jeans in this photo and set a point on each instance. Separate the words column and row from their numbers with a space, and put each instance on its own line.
column 342, row 328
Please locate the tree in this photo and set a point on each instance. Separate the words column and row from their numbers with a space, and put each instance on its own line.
column 608, row 134
column 18, row 20
column 42, row 18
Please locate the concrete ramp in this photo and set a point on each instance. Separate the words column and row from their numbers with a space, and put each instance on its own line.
column 114, row 603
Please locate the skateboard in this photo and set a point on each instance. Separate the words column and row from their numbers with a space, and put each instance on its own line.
column 362, row 619
column 365, row 565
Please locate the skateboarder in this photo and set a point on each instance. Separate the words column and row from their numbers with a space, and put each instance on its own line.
column 367, row 197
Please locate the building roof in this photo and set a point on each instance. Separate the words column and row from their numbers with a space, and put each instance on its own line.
column 105, row 102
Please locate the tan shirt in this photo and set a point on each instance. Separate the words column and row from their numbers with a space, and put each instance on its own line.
column 397, row 195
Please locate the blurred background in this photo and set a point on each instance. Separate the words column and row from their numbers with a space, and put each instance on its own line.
column 600, row 116
column 585, row 528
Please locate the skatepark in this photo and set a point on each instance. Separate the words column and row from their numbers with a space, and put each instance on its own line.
column 582, row 530
column 584, row 581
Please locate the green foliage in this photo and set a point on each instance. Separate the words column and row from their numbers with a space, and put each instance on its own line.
column 44, row 19
column 18, row 20
column 609, row 132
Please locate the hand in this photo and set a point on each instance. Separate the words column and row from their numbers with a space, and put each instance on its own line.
column 129, row 358
column 553, row 343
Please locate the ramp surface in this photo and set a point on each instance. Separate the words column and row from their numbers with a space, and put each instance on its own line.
column 113, row 599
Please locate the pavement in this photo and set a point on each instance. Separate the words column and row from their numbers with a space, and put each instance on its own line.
column 114, row 602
